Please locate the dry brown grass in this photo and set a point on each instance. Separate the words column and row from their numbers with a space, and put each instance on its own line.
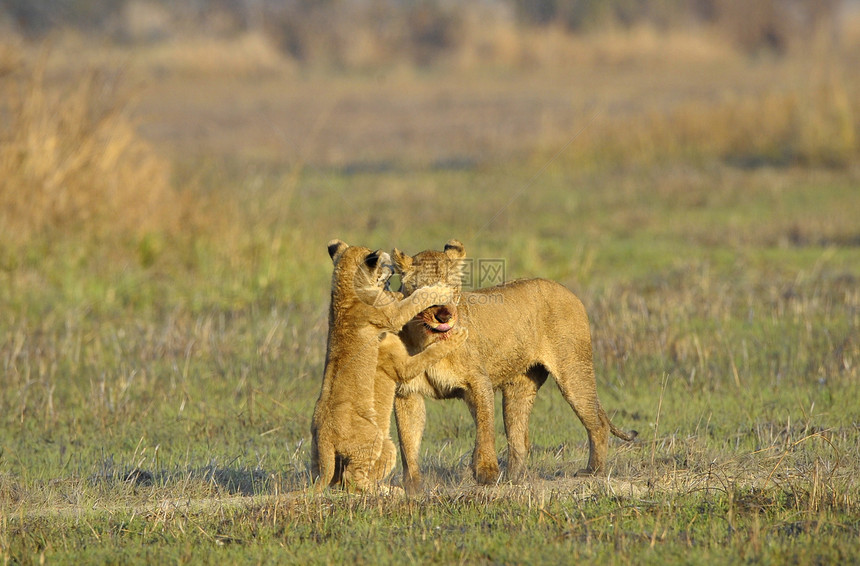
column 246, row 54
column 811, row 124
column 72, row 162
column 639, row 46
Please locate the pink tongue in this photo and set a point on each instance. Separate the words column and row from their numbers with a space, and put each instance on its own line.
column 444, row 327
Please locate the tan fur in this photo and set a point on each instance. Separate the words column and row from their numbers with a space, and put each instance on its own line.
column 519, row 333
column 346, row 427
column 396, row 366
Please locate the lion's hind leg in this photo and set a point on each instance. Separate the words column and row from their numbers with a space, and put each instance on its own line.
column 384, row 465
column 574, row 374
column 365, row 450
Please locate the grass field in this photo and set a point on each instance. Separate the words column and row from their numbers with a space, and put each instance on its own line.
column 164, row 288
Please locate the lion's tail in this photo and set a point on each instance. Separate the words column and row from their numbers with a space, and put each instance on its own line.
column 628, row 436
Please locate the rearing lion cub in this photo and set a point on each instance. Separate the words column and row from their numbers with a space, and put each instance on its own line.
column 346, row 424
column 519, row 333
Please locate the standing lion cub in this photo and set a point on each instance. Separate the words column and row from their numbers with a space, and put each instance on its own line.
column 519, row 333
column 346, row 423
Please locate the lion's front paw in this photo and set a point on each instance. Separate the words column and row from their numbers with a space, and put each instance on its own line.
column 413, row 484
column 487, row 474
column 441, row 293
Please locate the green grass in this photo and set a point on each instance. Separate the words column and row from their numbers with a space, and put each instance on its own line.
column 716, row 522
column 157, row 389
column 160, row 411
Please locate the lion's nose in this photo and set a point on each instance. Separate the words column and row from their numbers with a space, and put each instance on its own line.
column 443, row 315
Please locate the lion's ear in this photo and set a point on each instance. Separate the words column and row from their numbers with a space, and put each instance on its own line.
column 401, row 260
column 335, row 248
column 372, row 260
column 454, row 249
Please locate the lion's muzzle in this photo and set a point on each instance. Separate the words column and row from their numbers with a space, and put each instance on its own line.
column 439, row 319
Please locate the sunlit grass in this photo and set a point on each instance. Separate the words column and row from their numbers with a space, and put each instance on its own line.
column 159, row 375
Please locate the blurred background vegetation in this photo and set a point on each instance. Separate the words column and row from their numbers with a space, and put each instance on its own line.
column 144, row 142
column 359, row 32
column 94, row 98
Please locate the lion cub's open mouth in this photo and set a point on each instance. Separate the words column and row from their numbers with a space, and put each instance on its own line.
column 438, row 319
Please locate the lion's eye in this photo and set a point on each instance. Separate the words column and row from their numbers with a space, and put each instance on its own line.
column 394, row 283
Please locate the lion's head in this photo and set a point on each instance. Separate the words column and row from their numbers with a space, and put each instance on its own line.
column 428, row 268
column 372, row 270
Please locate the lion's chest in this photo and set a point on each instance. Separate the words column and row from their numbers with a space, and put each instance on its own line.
column 439, row 382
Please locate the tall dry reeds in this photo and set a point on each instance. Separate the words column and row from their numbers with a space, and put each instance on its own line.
column 809, row 125
column 72, row 164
